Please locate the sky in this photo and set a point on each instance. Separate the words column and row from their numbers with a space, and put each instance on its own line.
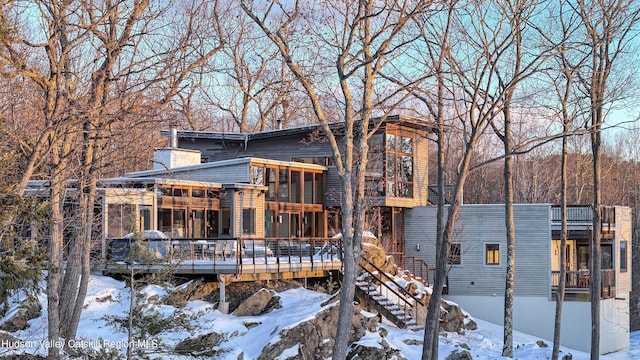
column 108, row 298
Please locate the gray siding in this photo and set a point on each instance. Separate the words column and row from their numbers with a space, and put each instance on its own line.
column 333, row 187
column 282, row 148
column 478, row 225
column 233, row 173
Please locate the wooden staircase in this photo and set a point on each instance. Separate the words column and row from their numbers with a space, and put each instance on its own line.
column 381, row 293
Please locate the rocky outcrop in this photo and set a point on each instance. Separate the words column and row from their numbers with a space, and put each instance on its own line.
column 202, row 345
column 19, row 318
column 373, row 252
column 314, row 339
column 259, row 303
column 369, row 352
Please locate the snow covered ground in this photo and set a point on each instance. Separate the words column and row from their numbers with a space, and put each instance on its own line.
column 108, row 299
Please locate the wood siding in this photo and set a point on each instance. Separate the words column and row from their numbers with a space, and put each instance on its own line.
column 477, row 226
column 623, row 233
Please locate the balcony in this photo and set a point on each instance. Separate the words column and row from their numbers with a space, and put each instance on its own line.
column 578, row 284
column 582, row 216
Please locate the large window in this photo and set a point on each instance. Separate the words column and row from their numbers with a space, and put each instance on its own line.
column 121, row 220
column 249, row 221
column 492, row 254
column 399, row 165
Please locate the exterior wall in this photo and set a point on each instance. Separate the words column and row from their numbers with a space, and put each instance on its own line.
column 245, row 199
column 170, row 158
column 479, row 288
column 576, row 321
column 614, row 323
column 623, row 233
column 478, row 225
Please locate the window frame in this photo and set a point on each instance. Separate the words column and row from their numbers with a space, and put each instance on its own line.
column 399, row 164
column 624, row 266
column 486, row 254
column 248, row 221
column 452, row 256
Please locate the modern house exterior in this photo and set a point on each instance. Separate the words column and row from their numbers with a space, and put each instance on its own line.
column 476, row 277
column 266, row 205
column 266, row 193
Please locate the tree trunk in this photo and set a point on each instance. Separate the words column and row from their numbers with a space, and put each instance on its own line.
column 507, row 346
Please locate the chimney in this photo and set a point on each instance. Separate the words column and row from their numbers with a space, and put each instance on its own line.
column 173, row 137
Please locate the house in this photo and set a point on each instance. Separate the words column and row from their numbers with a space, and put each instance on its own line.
column 273, row 192
column 396, row 175
column 476, row 278
column 266, row 205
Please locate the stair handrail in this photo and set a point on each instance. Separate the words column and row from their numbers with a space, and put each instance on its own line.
column 402, row 290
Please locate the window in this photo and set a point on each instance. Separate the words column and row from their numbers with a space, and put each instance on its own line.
column 249, row 221
column 257, row 175
column 399, row 165
column 283, row 185
column 623, row 256
column 455, row 255
column 225, row 220
column 197, row 193
column 492, row 254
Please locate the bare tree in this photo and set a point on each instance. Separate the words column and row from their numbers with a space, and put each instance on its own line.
column 134, row 69
column 608, row 27
column 357, row 40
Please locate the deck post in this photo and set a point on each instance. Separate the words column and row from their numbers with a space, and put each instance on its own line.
column 223, row 306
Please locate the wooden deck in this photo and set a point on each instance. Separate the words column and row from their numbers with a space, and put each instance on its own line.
column 248, row 260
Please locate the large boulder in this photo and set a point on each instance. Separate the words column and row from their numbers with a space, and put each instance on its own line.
column 314, row 339
column 259, row 303
column 374, row 254
column 18, row 318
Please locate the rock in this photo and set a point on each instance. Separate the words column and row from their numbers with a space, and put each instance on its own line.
column 451, row 317
column 314, row 339
column 373, row 252
column 364, row 352
column 18, row 319
column 459, row 355
column 202, row 345
column 257, row 304
column 542, row 344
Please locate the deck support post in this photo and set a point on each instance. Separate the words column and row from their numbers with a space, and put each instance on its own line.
column 223, row 305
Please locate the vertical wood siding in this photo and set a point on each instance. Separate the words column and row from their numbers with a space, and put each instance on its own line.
column 623, row 233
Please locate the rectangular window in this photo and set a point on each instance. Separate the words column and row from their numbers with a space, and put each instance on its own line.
column 283, row 185
column 249, row 221
column 257, row 175
column 270, row 181
column 197, row 193
column 399, row 165
column 269, row 223
column 623, row 256
column 492, row 254
column 455, row 254
column 225, row 221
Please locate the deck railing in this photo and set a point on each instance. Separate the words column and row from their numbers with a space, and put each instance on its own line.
column 241, row 252
column 584, row 214
column 579, row 281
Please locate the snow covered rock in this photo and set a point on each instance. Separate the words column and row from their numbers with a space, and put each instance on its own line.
column 314, row 339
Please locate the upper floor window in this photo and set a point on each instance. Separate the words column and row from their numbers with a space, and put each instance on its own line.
column 399, row 165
